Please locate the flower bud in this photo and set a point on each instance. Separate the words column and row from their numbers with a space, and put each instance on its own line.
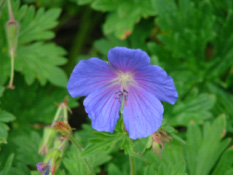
column 62, row 127
column 157, row 141
column 61, row 143
column 54, row 159
column 48, row 139
column 12, row 30
column 41, row 166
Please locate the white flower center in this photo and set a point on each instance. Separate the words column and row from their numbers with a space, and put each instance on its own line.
column 125, row 79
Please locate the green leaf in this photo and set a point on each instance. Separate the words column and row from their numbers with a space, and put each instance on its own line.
column 225, row 103
column 36, row 25
column 192, row 109
column 225, row 163
column 229, row 172
column 3, row 133
column 183, row 37
column 176, row 168
column 105, row 44
column 41, row 62
column 204, row 151
column 74, row 163
column 7, row 165
column 128, row 147
column 27, row 148
column 102, row 141
column 6, row 116
column 194, row 140
column 105, row 5
column 124, row 15
column 83, row 2
column 42, row 59
column 113, row 169
column 2, row 89
column 149, row 170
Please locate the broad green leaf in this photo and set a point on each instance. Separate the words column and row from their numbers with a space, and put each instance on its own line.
column 176, row 168
column 105, row 5
column 41, row 63
column 6, row 116
column 83, row 2
column 3, row 133
column 35, row 59
column 7, row 165
column 229, row 172
column 194, row 141
column 204, row 150
column 114, row 170
column 183, row 37
column 225, row 163
column 192, row 109
column 27, row 148
column 74, row 162
column 2, row 89
column 128, row 147
column 103, row 45
column 125, row 15
column 149, row 170
column 36, row 25
column 102, row 141
column 225, row 103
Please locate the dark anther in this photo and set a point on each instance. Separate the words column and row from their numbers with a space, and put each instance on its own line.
column 122, row 94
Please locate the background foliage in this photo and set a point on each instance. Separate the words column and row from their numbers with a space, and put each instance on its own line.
column 192, row 40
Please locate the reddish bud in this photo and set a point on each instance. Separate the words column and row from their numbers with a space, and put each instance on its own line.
column 62, row 127
column 157, row 141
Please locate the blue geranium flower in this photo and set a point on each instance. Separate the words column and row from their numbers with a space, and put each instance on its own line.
column 128, row 78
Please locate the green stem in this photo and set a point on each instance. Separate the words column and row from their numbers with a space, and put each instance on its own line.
column 132, row 165
column 57, row 114
column 65, row 113
column 131, row 159
column 10, row 11
column 78, row 146
column 11, row 86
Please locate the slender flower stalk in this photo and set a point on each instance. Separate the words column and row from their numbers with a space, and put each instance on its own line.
column 11, row 86
column 132, row 165
column 12, row 29
column 64, row 128
column 12, row 19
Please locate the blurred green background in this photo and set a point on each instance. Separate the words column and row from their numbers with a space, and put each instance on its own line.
column 191, row 39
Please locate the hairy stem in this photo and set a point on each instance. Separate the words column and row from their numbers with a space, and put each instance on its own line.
column 11, row 86
column 132, row 165
column 10, row 11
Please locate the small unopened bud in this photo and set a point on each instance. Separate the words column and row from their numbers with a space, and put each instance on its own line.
column 157, row 141
column 41, row 166
column 12, row 30
column 54, row 159
column 61, row 143
column 48, row 139
column 62, row 127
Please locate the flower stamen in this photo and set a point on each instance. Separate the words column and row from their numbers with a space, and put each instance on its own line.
column 122, row 95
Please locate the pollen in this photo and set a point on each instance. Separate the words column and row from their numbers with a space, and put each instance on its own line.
column 125, row 79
